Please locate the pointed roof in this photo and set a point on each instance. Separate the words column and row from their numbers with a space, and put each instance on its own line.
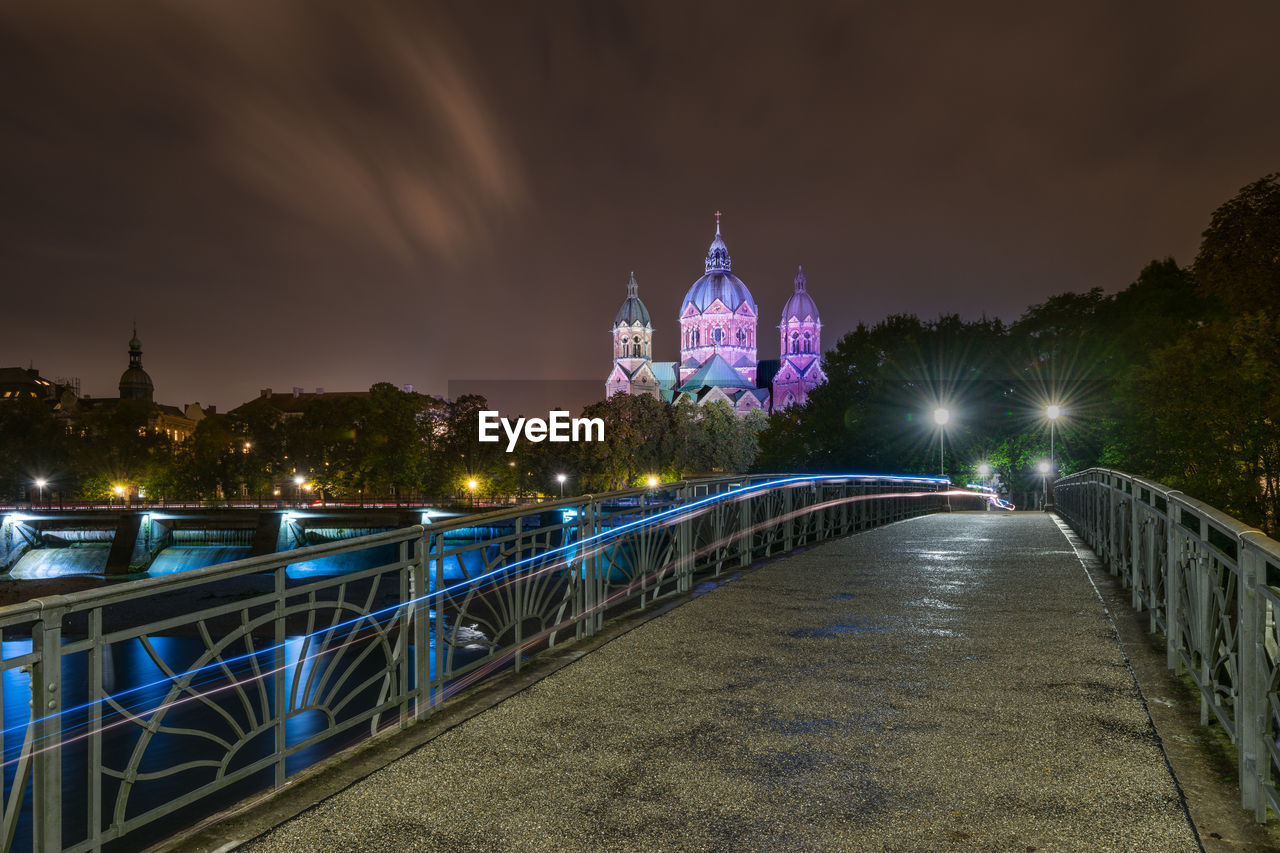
column 801, row 304
column 715, row 372
column 718, row 259
column 632, row 310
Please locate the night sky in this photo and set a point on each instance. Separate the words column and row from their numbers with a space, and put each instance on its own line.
column 333, row 193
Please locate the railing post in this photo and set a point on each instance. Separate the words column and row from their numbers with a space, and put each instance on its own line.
column 684, row 542
column 420, row 591
column 1254, row 681
column 1135, row 552
column 1173, row 615
column 46, row 704
column 788, row 527
column 437, row 625
column 517, row 594
column 744, row 528
column 279, row 678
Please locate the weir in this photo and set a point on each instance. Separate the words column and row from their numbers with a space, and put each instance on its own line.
column 56, row 543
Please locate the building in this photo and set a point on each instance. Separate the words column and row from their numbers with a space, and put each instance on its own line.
column 718, row 354
column 136, row 387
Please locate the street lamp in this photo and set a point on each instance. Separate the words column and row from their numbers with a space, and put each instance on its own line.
column 941, row 417
column 297, row 482
column 560, row 478
column 652, row 482
column 1044, row 468
column 40, row 484
column 119, row 492
column 1052, row 411
column 984, row 471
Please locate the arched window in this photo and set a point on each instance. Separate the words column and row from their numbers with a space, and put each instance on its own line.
column 718, row 334
column 808, row 343
column 635, row 346
column 795, row 342
column 697, row 337
column 742, row 338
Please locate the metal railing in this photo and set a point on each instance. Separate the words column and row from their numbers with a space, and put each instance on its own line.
column 160, row 701
column 1212, row 586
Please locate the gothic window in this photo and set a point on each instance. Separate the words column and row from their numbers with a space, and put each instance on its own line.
column 635, row 346
column 742, row 338
column 697, row 337
column 808, row 343
column 795, row 342
column 718, row 334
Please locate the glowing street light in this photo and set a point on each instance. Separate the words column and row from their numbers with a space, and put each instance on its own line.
column 942, row 417
column 1052, row 411
column 652, row 482
column 472, row 485
column 40, row 484
column 560, row 478
column 297, row 484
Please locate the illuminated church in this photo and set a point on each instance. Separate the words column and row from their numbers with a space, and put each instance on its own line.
column 718, row 345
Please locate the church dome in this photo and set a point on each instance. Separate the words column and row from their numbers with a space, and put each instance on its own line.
column 632, row 310
column 135, row 383
column 801, row 304
column 719, row 281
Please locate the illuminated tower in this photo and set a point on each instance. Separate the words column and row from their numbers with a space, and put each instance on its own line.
column 135, row 384
column 800, row 348
column 718, row 317
column 632, row 336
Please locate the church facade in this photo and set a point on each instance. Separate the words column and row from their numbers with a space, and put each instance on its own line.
column 718, row 354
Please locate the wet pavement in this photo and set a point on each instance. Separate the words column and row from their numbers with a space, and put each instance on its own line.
column 948, row 683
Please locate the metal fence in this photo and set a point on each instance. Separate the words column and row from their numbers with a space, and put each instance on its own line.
column 157, row 702
column 1212, row 586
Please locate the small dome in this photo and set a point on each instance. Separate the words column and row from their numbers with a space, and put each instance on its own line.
column 135, row 384
column 801, row 304
column 632, row 310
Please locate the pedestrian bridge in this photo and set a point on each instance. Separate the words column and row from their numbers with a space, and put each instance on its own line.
column 943, row 677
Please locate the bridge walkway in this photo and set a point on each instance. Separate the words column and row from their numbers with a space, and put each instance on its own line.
column 950, row 682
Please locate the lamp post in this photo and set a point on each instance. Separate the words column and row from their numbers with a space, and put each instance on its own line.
column 560, row 478
column 40, row 484
column 1045, row 467
column 120, row 493
column 941, row 417
column 297, row 482
column 1053, row 411
column 471, row 487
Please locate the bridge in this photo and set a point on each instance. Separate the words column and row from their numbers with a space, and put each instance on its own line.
column 756, row 678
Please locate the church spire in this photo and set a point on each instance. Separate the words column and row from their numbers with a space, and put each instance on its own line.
column 800, row 282
column 718, row 260
column 632, row 286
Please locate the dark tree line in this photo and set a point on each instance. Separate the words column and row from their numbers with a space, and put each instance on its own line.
column 386, row 444
column 1176, row 377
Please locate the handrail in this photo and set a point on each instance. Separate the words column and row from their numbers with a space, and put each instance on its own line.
column 1211, row 584
column 288, row 665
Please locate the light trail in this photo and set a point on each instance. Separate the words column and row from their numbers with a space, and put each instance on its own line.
column 668, row 517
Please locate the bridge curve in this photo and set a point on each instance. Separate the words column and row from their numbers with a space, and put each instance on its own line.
column 951, row 679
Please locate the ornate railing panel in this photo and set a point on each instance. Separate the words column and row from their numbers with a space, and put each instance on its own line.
column 156, row 702
column 1212, row 586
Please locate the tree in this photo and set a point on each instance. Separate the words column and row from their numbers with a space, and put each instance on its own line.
column 1239, row 258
